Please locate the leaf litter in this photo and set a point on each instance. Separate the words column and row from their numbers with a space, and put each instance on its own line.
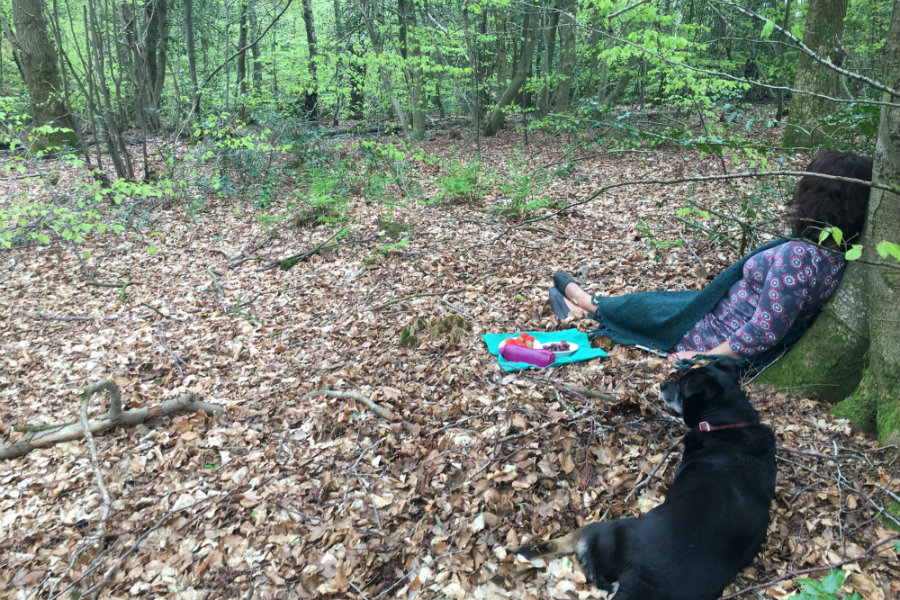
column 293, row 494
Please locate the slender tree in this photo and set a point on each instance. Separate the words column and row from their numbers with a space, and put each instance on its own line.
column 191, row 54
column 311, row 101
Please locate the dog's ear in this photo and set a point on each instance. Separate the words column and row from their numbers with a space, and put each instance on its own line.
column 696, row 389
column 729, row 368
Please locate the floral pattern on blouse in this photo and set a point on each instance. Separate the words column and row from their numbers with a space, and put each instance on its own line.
column 781, row 288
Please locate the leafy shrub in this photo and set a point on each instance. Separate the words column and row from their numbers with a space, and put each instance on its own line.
column 463, row 184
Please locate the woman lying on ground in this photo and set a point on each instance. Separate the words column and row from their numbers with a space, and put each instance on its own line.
column 759, row 306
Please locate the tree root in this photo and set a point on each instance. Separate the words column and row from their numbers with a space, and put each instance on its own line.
column 113, row 417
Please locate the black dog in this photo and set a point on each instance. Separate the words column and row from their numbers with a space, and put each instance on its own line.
column 716, row 513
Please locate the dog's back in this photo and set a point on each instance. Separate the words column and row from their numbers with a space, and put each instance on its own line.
column 715, row 515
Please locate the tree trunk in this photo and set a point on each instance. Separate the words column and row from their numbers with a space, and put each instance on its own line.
column 566, row 62
column 877, row 399
column 191, row 54
column 39, row 66
column 153, row 53
column 242, row 52
column 832, row 359
column 161, row 52
column 254, row 49
column 370, row 16
column 495, row 120
column 409, row 50
column 551, row 20
column 785, row 24
column 823, row 35
column 311, row 101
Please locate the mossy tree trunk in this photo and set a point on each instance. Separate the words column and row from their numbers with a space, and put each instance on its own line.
column 823, row 34
column 39, row 68
column 878, row 396
column 865, row 312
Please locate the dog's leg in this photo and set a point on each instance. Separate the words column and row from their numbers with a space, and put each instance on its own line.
column 566, row 544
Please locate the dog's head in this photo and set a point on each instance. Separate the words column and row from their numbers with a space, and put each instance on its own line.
column 711, row 392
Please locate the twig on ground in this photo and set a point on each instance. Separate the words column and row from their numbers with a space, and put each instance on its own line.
column 646, row 480
column 687, row 244
column 162, row 341
column 866, row 555
column 384, row 413
column 362, row 482
column 290, row 261
column 122, row 286
column 156, row 310
column 101, row 386
column 215, row 279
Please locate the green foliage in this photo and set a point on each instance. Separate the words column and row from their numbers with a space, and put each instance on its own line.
column 451, row 329
column 828, row 588
column 464, row 183
column 241, row 157
column 653, row 242
column 322, row 198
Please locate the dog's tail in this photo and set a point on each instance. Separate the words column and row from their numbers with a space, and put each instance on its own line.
column 566, row 544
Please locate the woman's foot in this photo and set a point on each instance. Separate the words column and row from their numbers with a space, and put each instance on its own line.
column 574, row 296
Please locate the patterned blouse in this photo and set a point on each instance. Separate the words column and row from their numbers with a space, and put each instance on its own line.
column 783, row 287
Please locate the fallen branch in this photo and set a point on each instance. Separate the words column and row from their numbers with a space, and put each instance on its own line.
column 86, row 393
column 113, row 417
column 384, row 413
column 286, row 263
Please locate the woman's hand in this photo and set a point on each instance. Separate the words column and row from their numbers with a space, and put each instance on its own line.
column 723, row 349
column 679, row 356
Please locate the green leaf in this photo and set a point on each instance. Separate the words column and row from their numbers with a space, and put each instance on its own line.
column 833, row 581
column 768, row 28
column 838, row 235
column 854, row 252
column 888, row 248
column 823, row 235
column 43, row 238
column 151, row 249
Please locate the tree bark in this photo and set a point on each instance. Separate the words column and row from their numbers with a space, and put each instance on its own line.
column 495, row 120
column 409, row 50
column 369, row 16
column 254, row 49
column 39, row 66
column 566, row 62
column 551, row 21
column 854, row 345
column 823, row 34
column 877, row 399
column 242, row 51
column 311, row 101
column 191, row 54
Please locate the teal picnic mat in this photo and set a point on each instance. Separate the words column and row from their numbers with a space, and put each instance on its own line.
column 585, row 352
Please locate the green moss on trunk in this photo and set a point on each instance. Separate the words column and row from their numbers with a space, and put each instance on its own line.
column 827, row 362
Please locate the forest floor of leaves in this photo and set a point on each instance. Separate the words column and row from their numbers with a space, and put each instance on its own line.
column 296, row 495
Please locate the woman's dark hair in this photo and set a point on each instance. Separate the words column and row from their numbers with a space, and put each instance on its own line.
column 818, row 203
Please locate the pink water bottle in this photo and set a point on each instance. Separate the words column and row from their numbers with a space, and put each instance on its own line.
column 532, row 356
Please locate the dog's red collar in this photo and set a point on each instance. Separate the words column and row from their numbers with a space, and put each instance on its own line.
column 705, row 426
